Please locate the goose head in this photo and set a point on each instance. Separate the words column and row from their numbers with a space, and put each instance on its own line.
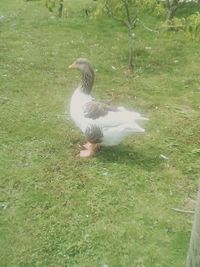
column 84, row 65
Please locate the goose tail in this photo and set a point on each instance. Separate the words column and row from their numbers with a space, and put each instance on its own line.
column 132, row 115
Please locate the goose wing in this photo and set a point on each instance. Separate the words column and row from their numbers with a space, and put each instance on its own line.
column 96, row 109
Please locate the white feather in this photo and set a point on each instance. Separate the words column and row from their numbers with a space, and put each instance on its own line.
column 114, row 125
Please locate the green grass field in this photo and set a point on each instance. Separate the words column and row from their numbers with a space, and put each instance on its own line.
column 115, row 209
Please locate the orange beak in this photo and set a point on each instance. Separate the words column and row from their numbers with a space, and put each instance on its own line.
column 72, row 66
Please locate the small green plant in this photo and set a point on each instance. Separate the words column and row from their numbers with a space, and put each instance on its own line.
column 193, row 26
column 55, row 4
column 50, row 4
column 99, row 11
column 159, row 9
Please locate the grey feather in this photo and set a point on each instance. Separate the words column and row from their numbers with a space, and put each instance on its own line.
column 96, row 109
column 94, row 134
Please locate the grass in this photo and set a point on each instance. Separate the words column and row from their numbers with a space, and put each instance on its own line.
column 116, row 208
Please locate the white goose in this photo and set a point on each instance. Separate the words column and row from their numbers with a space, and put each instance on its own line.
column 102, row 124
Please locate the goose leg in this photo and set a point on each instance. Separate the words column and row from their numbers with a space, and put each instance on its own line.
column 90, row 150
column 87, row 145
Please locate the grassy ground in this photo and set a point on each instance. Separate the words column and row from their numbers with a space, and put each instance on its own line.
column 116, row 208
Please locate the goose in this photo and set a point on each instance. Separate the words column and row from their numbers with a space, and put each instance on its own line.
column 101, row 123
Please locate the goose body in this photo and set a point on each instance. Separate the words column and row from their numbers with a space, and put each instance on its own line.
column 102, row 124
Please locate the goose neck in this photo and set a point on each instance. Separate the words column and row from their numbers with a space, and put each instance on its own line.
column 87, row 81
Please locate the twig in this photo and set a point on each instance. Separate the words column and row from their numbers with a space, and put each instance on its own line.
column 183, row 211
column 134, row 21
column 3, row 98
column 147, row 28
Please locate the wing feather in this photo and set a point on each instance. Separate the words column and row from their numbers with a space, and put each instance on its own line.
column 96, row 109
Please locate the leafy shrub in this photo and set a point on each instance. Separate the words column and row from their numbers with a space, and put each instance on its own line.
column 154, row 6
column 190, row 26
column 175, row 24
column 178, row 24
